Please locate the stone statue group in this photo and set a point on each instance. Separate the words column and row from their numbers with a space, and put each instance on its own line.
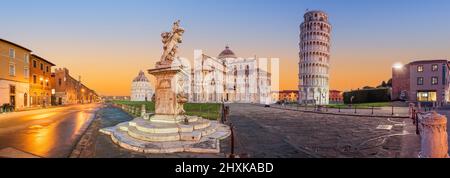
column 170, row 42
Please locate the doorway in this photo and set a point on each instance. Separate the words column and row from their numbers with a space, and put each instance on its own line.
column 25, row 100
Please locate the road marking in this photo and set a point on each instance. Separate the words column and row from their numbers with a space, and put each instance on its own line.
column 384, row 127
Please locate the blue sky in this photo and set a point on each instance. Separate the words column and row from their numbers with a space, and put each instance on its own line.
column 126, row 33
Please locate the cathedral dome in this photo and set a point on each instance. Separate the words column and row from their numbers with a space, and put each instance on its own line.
column 227, row 53
column 141, row 77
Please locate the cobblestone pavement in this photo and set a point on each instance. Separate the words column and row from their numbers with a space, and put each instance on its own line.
column 272, row 132
column 276, row 133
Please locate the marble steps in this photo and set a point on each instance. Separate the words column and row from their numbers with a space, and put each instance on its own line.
column 173, row 119
column 124, row 140
column 200, row 124
column 205, row 140
column 157, row 127
column 195, row 135
column 152, row 137
column 153, row 127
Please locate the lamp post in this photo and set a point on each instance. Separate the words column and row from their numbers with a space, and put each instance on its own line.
column 82, row 95
column 41, row 79
column 46, row 94
column 397, row 71
column 53, row 97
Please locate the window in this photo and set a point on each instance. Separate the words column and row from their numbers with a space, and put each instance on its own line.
column 34, row 64
column 426, row 96
column 419, row 80
column 12, row 89
column 434, row 67
column 26, row 59
column 434, row 80
column 12, row 53
column 26, row 72
column 47, row 69
column 420, row 68
column 42, row 66
column 34, row 79
column 59, row 82
column 12, row 69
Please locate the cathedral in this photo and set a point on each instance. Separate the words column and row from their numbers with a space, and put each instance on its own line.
column 141, row 89
column 228, row 78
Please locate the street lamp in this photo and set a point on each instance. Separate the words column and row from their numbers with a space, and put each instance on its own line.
column 82, row 96
column 398, row 66
column 42, row 84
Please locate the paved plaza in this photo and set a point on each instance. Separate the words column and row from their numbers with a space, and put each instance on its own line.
column 277, row 133
column 273, row 132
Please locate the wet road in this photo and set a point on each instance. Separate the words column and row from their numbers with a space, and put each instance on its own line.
column 50, row 133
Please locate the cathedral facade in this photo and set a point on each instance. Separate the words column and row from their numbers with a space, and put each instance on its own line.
column 141, row 89
column 228, row 78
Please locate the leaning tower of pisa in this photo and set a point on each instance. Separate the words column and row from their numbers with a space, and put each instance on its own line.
column 315, row 38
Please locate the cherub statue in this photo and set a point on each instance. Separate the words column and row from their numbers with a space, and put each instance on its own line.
column 171, row 41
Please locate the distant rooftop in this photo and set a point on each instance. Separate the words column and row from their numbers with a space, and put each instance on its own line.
column 36, row 56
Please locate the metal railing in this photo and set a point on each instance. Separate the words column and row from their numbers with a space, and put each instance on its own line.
column 349, row 110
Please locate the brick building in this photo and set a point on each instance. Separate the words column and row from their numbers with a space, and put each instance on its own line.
column 425, row 82
column 69, row 90
column 288, row 96
column 40, row 81
column 400, row 82
column 14, row 74
column 336, row 96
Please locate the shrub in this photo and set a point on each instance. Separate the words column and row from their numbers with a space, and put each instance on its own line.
column 368, row 96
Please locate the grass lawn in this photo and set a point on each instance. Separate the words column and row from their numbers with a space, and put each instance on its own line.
column 209, row 111
column 362, row 105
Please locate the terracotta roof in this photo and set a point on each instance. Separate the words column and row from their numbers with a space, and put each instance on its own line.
column 141, row 77
column 227, row 53
column 288, row 91
column 36, row 56
column 335, row 91
column 14, row 44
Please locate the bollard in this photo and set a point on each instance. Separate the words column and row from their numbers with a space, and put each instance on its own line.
column 392, row 109
column 411, row 110
column 355, row 109
column 339, row 108
column 433, row 133
column 143, row 111
column 232, row 155
column 372, row 110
